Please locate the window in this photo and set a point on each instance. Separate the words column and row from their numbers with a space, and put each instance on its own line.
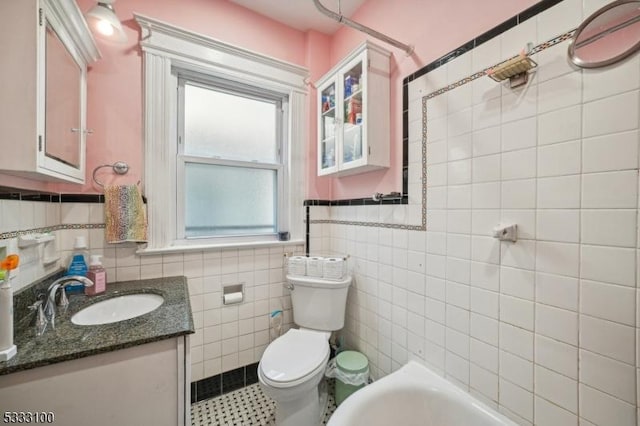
column 225, row 139
column 231, row 160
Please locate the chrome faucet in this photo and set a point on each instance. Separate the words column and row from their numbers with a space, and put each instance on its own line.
column 41, row 321
column 63, row 302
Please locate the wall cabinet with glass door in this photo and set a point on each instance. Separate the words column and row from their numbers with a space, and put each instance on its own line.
column 43, row 105
column 354, row 114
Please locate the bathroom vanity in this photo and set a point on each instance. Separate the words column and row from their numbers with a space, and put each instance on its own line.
column 131, row 372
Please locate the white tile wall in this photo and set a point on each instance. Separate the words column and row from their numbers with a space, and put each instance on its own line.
column 226, row 337
column 544, row 329
column 26, row 215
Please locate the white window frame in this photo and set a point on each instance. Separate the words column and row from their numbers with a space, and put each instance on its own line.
column 167, row 49
column 281, row 102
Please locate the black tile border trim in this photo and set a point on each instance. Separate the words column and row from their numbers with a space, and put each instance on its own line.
column 482, row 38
column 214, row 386
column 355, row 202
column 48, row 197
column 82, row 198
column 27, row 195
column 307, row 236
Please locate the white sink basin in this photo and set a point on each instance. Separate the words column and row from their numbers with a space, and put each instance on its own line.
column 118, row 309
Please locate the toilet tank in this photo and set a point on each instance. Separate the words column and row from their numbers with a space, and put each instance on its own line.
column 318, row 303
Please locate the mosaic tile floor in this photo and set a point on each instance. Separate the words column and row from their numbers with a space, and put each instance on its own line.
column 245, row 407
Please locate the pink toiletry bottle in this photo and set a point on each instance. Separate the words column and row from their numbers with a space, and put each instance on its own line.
column 98, row 275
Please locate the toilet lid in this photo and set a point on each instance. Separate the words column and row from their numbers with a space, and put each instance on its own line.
column 294, row 355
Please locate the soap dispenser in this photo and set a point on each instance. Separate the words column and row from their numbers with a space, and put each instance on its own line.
column 98, row 275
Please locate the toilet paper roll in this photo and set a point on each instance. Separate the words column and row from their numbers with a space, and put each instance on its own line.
column 334, row 268
column 231, row 298
column 297, row 265
column 314, row 266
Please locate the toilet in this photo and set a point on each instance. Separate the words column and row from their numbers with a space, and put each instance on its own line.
column 293, row 365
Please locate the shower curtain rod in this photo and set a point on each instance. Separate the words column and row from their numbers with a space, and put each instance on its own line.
column 348, row 22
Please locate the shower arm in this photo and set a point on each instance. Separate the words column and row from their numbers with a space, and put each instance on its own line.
column 348, row 22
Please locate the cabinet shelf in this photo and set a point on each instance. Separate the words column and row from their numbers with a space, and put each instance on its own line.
column 50, row 260
column 345, row 146
column 356, row 95
column 330, row 112
column 34, row 239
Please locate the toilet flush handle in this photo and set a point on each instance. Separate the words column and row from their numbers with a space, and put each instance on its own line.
column 289, row 286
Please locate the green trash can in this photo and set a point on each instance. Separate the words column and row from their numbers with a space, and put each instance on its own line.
column 352, row 374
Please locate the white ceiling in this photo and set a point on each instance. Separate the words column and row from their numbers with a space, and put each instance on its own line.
column 302, row 14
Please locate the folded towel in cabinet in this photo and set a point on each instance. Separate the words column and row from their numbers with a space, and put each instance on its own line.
column 125, row 216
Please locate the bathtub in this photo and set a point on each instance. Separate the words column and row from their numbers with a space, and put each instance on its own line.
column 414, row 396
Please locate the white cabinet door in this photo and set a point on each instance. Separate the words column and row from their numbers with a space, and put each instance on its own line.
column 61, row 145
column 327, row 128
column 144, row 385
column 43, row 111
column 353, row 78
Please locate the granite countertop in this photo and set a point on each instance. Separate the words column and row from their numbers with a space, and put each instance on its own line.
column 69, row 341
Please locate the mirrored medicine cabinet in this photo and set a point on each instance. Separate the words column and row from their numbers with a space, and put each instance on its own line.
column 44, row 94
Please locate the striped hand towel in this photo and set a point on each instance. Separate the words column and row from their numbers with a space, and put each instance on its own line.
column 124, row 214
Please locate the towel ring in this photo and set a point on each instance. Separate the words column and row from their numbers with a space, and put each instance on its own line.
column 119, row 168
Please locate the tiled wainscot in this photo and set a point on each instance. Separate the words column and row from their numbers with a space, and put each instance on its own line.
column 544, row 329
column 227, row 337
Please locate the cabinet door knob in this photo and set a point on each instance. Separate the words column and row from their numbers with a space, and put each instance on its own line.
column 76, row 129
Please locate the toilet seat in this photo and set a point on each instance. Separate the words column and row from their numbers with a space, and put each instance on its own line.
column 293, row 357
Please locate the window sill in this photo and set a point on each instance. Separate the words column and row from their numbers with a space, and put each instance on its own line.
column 211, row 247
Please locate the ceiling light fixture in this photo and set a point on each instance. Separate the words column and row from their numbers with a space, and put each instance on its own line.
column 104, row 21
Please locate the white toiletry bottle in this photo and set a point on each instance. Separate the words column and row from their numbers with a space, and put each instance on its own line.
column 7, row 348
column 98, row 275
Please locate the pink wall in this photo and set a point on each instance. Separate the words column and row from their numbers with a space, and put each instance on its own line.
column 115, row 81
column 435, row 28
column 317, row 60
column 11, row 181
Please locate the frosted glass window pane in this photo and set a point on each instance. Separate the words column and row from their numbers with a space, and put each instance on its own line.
column 230, row 126
column 224, row 200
